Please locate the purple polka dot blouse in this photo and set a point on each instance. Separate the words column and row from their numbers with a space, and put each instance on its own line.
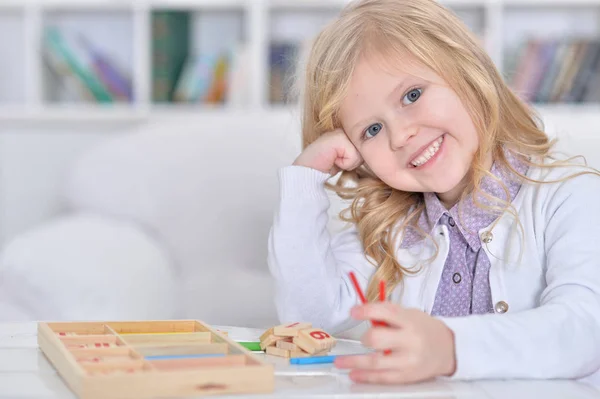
column 464, row 287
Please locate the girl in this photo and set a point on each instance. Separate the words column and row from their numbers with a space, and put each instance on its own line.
column 489, row 245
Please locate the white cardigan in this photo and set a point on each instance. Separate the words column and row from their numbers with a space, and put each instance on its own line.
column 549, row 277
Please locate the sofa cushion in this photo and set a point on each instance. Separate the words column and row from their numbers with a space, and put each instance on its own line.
column 86, row 267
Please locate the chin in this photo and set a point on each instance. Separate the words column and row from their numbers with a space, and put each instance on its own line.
column 445, row 185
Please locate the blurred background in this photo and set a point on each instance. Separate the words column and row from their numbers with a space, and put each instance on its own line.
column 140, row 141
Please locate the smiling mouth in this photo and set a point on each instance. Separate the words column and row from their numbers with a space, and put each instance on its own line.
column 428, row 153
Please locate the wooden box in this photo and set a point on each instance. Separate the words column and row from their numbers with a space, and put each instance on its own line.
column 151, row 359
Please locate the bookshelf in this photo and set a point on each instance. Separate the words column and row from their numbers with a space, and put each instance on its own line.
column 12, row 91
column 245, row 37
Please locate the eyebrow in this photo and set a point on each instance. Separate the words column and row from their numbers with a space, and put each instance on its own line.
column 400, row 87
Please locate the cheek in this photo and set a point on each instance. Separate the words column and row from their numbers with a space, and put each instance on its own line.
column 472, row 138
column 379, row 159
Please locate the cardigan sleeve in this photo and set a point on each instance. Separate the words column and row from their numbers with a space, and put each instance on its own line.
column 311, row 267
column 560, row 338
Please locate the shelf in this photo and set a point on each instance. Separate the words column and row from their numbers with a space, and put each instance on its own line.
column 255, row 29
column 12, row 47
column 13, row 112
column 11, row 5
column 298, row 25
column 465, row 3
column 185, row 110
column 156, row 113
column 82, row 35
column 84, row 5
column 473, row 17
column 198, row 4
column 71, row 113
column 190, row 48
column 321, row 4
column 294, row 4
column 306, row 5
column 122, row 4
column 550, row 3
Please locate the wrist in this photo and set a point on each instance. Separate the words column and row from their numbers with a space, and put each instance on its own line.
column 450, row 364
column 312, row 165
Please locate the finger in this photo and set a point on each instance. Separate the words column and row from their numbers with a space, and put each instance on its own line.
column 349, row 160
column 348, row 157
column 395, row 376
column 381, row 338
column 380, row 311
column 355, row 160
column 371, row 361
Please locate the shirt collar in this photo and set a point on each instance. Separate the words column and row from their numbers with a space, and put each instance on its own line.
column 469, row 217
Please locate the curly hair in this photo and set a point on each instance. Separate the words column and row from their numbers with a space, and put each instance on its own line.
column 438, row 39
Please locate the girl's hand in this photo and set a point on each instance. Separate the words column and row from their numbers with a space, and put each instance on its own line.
column 422, row 347
column 329, row 153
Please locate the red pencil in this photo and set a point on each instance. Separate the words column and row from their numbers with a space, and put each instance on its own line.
column 375, row 323
column 357, row 288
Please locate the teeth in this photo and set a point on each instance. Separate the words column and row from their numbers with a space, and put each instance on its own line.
column 428, row 153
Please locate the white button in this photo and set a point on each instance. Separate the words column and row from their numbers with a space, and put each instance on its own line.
column 501, row 307
column 487, row 237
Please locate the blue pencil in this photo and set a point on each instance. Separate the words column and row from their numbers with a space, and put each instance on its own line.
column 312, row 360
column 172, row 357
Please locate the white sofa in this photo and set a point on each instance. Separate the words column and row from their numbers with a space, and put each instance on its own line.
column 169, row 221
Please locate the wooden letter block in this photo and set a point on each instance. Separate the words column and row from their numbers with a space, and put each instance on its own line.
column 287, row 345
column 290, row 330
column 266, row 334
column 314, row 340
column 270, row 341
column 272, row 350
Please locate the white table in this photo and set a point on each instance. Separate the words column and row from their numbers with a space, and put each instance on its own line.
column 25, row 373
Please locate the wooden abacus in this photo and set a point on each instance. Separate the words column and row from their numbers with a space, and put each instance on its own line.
column 151, row 359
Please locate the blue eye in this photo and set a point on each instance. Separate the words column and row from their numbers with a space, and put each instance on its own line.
column 373, row 130
column 412, row 96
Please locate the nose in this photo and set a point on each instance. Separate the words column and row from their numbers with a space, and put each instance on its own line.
column 401, row 133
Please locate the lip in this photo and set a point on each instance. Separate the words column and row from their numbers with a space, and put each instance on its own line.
column 417, row 153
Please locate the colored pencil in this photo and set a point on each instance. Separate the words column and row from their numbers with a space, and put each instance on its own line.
column 357, row 288
column 312, row 360
column 363, row 299
column 252, row 346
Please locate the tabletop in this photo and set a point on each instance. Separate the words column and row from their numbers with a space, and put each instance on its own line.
column 25, row 373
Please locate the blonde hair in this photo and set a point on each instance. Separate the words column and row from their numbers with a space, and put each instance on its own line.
column 439, row 40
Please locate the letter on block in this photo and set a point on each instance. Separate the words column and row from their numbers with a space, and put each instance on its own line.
column 290, row 330
column 314, row 340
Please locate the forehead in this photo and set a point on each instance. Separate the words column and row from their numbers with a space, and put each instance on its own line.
column 375, row 67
